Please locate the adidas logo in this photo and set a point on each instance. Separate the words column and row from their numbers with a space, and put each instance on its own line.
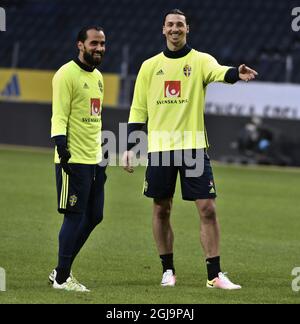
column 12, row 88
column 160, row 72
column 212, row 190
column 85, row 86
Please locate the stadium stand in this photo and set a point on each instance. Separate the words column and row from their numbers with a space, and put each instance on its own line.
column 41, row 35
column 256, row 32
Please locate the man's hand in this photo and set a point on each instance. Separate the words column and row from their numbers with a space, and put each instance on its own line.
column 127, row 161
column 246, row 74
column 64, row 156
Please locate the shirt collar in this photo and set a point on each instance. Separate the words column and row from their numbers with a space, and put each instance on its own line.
column 177, row 54
column 84, row 66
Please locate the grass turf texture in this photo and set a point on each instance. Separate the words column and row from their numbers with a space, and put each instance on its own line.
column 258, row 209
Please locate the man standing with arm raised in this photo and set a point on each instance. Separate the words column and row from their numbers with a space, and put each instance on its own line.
column 170, row 96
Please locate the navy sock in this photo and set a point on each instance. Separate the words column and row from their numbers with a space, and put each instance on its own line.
column 213, row 267
column 62, row 275
column 167, row 262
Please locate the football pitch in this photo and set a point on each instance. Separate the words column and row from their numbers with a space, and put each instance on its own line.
column 258, row 209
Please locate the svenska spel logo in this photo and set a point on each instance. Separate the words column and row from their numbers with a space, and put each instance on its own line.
column 172, row 89
column 95, row 107
column 2, row 19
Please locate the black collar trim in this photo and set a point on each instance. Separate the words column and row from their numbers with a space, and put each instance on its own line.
column 83, row 66
column 177, row 54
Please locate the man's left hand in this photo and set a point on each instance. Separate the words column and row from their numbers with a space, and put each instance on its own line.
column 127, row 161
column 246, row 74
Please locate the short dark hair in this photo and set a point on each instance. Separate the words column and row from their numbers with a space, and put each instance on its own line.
column 175, row 12
column 82, row 35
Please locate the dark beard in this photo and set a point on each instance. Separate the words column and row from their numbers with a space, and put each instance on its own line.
column 90, row 60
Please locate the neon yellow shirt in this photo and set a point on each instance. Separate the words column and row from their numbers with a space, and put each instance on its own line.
column 76, row 112
column 170, row 94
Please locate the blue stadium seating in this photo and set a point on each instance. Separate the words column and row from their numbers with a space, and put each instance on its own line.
column 255, row 32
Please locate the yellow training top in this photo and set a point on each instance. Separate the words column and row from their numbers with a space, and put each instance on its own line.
column 76, row 112
column 170, row 94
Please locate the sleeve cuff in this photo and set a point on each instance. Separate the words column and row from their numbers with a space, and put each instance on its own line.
column 131, row 128
column 60, row 140
column 232, row 75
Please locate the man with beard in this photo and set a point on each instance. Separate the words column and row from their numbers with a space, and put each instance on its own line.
column 76, row 129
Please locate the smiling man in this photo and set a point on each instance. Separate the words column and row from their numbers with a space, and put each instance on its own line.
column 170, row 96
column 78, row 92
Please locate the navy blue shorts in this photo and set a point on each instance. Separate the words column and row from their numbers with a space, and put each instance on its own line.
column 160, row 181
column 81, row 192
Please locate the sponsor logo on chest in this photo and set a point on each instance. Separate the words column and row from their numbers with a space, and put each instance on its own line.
column 172, row 89
column 95, row 104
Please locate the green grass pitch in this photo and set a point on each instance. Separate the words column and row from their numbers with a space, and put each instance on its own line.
column 258, row 209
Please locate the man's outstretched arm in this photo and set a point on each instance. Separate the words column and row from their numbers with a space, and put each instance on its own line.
column 242, row 72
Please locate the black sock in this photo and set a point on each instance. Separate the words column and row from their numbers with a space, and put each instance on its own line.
column 62, row 275
column 213, row 267
column 167, row 262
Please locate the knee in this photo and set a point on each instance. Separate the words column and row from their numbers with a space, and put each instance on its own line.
column 162, row 211
column 208, row 212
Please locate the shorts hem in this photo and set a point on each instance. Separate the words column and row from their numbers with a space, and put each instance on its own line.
column 66, row 210
column 157, row 197
column 200, row 197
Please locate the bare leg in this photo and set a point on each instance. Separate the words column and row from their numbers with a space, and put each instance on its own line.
column 209, row 227
column 162, row 230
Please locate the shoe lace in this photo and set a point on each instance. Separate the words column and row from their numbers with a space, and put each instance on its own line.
column 75, row 281
column 167, row 275
column 73, row 278
column 74, row 285
column 223, row 276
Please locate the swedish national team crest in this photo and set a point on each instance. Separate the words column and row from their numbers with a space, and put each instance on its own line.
column 73, row 200
column 187, row 70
